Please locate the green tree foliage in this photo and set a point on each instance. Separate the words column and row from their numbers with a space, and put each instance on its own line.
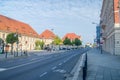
column 11, row 39
column 57, row 41
column 77, row 42
column 42, row 44
column 39, row 45
column 67, row 42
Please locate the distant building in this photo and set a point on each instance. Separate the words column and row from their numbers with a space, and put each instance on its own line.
column 27, row 35
column 98, row 35
column 71, row 36
column 110, row 23
column 47, row 37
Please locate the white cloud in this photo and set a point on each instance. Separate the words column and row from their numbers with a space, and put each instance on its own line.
column 44, row 13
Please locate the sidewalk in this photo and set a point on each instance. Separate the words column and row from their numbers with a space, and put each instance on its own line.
column 9, row 56
column 103, row 66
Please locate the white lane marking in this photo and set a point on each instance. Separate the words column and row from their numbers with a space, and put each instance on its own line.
column 2, row 69
column 54, row 67
column 43, row 74
column 25, row 64
column 60, row 63
column 60, row 71
column 33, row 59
column 65, row 61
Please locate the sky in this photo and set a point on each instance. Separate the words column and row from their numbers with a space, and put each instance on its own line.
column 60, row 16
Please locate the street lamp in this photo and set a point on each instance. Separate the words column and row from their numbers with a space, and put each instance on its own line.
column 17, row 40
column 17, row 35
column 52, row 38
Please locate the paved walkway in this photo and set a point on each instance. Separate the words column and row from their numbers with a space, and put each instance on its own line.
column 9, row 56
column 103, row 66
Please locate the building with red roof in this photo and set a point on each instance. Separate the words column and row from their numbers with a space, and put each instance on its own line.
column 28, row 35
column 47, row 36
column 71, row 36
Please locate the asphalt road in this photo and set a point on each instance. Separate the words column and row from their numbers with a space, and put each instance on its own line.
column 50, row 67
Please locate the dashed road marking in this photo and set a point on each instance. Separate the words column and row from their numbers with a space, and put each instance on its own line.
column 60, row 71
column 65, row 61
column 60, row 63
column 43, row 74
column 54, row 67
column 34, row 59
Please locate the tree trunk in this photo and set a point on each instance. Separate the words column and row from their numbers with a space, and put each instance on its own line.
column 11, row 49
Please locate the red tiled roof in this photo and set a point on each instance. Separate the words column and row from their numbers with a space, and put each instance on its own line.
column 47, row 34
column 71, row 36
column 11, row 25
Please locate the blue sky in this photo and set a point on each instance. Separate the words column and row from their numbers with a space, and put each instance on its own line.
column 64, row 16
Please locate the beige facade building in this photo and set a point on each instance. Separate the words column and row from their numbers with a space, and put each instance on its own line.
column 27, row 36
column 110, row 23
column 47, row 37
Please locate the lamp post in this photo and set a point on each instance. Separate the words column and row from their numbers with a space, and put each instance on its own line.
column 16, row 35
column 52, row 38
column 17, row 40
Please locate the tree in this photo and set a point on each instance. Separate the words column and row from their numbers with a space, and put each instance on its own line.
column 39, row 44
column 77, row 42
column 67, row 42
column 11, row 39
column 57, row 41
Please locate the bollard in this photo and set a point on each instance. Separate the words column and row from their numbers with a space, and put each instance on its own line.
column 86, row 62
column 85, row 68
column 84, row 73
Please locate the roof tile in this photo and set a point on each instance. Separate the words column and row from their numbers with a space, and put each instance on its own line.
column 11, row 25
column 47, row 34
column 71, row 36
